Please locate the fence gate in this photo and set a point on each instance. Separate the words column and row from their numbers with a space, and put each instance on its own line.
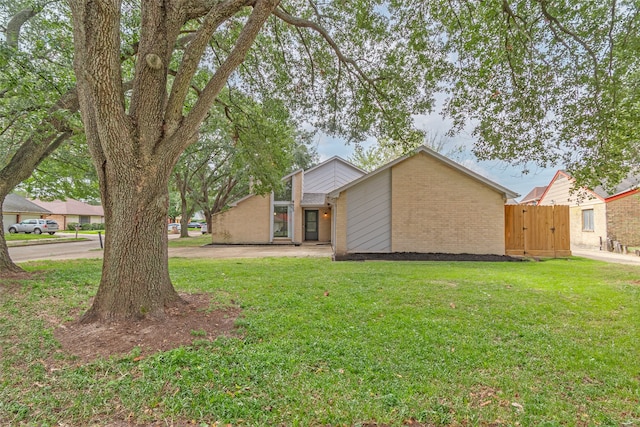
column 537, row 230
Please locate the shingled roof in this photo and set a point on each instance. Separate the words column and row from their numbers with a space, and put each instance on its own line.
column 18, row 204
column 70, row 207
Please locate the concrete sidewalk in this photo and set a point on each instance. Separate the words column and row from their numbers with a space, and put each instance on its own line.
column 612, row 257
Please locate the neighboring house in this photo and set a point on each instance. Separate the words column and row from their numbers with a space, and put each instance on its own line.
column 297, row 214
column 533, row 197
column 71, row 211
column 597, row 215
column 422, row 202
column 16, row 208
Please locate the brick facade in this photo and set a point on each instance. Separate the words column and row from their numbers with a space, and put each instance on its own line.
column 247, row 222
column 436, row 208
column 623, row 219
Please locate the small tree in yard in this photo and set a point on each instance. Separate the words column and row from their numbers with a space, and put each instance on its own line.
column 241, row 141
column 299, row 53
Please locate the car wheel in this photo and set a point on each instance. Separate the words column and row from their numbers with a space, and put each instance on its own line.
column 37, row 231
column 52, row 232
column 13, row 230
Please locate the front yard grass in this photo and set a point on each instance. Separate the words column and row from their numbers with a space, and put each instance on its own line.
column 551, row 343
column 10, row 237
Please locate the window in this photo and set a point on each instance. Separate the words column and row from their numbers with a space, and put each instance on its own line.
column 587, row 220
column 284, row 193
column 85, row 219
column 281, row 221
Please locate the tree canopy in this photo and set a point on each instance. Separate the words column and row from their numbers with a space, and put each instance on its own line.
column 546, row 82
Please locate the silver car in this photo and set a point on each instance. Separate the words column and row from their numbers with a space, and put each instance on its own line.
column 36, row 226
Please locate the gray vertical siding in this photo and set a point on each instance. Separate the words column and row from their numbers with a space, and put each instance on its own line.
column 328, row 177
column 369, row 215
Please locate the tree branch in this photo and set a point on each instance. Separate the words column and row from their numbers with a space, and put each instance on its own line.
column 299, row 22
column 554, row 21
column 189, row 127
column 191, row 59
column 12, row 34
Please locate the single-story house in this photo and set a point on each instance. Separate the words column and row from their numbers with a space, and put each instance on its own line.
column 16, row 208
column 422, row 202
column 71, row 211
column 596, row 214
column 300, row 213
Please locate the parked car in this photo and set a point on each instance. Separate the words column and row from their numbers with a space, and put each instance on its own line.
column 195, row 225
column 35, row 226
column 174, row 226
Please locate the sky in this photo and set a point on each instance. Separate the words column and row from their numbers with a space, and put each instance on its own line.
column 497, row 171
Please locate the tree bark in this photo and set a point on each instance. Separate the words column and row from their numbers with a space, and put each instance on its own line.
column 6, row 263
column 135, row 150
column 135, row 280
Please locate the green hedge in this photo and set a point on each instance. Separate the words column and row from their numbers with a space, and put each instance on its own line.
column 85, row 227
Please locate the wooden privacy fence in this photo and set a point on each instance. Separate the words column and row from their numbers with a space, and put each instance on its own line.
column 537, row 230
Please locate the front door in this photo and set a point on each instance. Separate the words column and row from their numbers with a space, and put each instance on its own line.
column 311, row 225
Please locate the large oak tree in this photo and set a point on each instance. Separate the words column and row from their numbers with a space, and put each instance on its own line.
column 342, row 63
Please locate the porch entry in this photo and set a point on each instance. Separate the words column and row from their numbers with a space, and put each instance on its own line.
column 311, row 224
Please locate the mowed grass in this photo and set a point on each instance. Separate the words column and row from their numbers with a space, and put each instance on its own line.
column 9, row 237
column 322, row 343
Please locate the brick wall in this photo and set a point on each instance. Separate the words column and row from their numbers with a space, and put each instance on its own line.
column 436, row 208
column 247, row 222
column 623, row 220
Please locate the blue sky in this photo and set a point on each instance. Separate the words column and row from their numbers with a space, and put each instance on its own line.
column 497, row 171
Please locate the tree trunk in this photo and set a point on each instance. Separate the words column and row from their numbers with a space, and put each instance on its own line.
column 6, row 263
column 135, row 279
column 134, row 149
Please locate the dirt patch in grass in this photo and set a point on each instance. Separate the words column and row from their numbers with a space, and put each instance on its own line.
column 197, row 320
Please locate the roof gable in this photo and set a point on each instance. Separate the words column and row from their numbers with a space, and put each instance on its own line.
column 507, row 194
column 330, row 175
column 627, row 186
column 18, row 204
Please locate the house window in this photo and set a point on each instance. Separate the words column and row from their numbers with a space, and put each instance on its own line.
column 284, row 193
column 587, row 220
column 281, row 219
column 85, row 219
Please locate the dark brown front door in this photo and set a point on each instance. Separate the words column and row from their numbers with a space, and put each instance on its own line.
column 311, row 225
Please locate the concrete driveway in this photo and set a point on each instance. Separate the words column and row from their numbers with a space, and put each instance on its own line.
column 612, row 257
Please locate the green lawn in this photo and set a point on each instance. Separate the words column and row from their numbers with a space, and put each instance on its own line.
column 553, row 343
column 24, row 236
column 191, row 241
